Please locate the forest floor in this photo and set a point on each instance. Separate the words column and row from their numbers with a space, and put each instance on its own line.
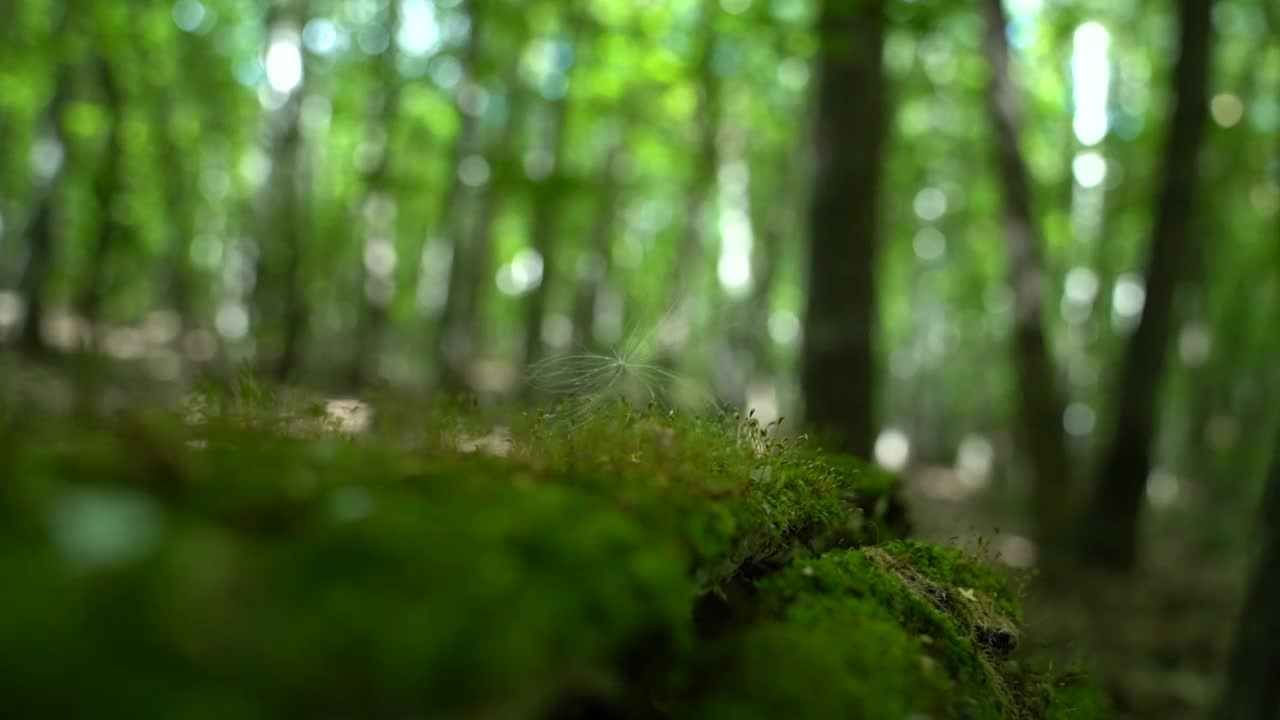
column 1159, row 640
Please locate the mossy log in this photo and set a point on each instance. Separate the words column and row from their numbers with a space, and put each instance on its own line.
column 248, row 562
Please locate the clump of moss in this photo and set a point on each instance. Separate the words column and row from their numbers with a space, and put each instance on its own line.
column 886, row 631
column 877, row 493
column 857, row 655
column 955, row 568
column 729, row 488
column 862, row 576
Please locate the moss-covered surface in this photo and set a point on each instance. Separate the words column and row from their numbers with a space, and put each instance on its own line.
column 234, row 562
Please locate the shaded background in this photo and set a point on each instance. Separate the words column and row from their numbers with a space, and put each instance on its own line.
column 1027, row 254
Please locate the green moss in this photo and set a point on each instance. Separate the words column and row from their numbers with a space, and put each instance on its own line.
column 874, row 480
column 856, row 577
column 955, row 568
column 876, row 493
column 1077, row 702
column 367, row 592
column 1047, row 694
column 242, row 562
column 730, row 490
column 822, row 659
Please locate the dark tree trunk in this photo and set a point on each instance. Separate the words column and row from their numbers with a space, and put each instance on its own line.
column 1252, row 690
column 449, row 218
column 180, row 207
column 1111, row 526
column 706, row 162
column 592, row 273
column 469, row 276
column 383, row 111
column 41, row 237
column 750, row 354
column 546, row 211
column 685, row 280
column 293, row 317
column 180, row 216
column 106, row 190
column 279, row 290
column 838, row 366
column 1040, row 402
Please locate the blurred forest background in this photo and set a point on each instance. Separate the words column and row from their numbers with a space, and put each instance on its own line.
column 1026, row 253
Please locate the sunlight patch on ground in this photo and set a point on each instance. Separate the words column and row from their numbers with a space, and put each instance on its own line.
column 762, row 398
column 948, row 484
column 1016, row 551
column 348, row 415
column 1163, row 488
column 11, row 311
column 497, row 442
column 892, row 449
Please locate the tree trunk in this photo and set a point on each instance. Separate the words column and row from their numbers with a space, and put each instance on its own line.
column 592, row 273
column 41, row 238
column 293, row 313
column 546, row 211
column 688, row 272
column 279, row 290
column 1040, row 401
column 470, row 276
column 838, row 366
column 772, row 208
column 373, row 225
column 180, row 217
column 106, row 189
column 1111, row 526
column 1252, row 691
column 448, row 219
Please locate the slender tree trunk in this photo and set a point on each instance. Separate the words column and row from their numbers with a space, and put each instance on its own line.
column 279, row 292
column 1111, row 529
column 546, row 213
column 470, row 274
column 702, row 187
column 1252, row 691
column 592, row 272
column 180, row 205
column 838, row 364
column 106, row 190
column 448, row 220
column 293, row 317
column 1040, row 401
column 772, row 205
column 374, row 207
column 41, row 236
column 687, row 274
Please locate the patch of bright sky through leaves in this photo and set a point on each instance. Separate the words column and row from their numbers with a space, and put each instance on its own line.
column 419, row 33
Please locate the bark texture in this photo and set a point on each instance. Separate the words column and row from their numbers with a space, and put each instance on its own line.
column 1112, row 519
column 1040, row 400
column 838, row 366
